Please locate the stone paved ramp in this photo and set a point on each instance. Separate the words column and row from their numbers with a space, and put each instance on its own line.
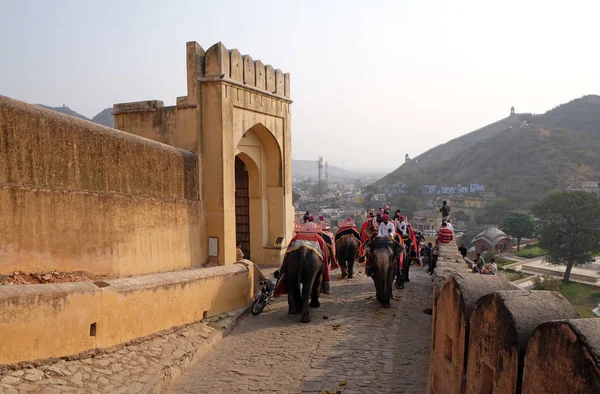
column 362, row 346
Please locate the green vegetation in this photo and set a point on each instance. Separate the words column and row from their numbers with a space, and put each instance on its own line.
column 568, row 228
column 512, row 274
column 584, row 298
column 518, row 225
column 530, row 252
column 502, row 262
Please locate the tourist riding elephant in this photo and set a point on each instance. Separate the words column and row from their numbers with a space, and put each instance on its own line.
column 303, row 267
column 346, row 252
column 384, row 254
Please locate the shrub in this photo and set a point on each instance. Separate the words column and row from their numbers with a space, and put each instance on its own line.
column 546, row 283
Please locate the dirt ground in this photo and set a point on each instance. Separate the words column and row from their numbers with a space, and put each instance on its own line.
column 21, row 278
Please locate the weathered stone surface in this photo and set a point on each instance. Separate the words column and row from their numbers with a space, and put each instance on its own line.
column 131, row 369
column 77, row 379
column 387, row 348
column 500, row 326
column 563, row 357
column 455, row 304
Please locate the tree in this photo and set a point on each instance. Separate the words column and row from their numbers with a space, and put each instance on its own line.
column 518, row 225
column 568, row 224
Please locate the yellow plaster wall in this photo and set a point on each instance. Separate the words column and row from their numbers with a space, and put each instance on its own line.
column 175, row 126
column 78, row 196
column 44, row 321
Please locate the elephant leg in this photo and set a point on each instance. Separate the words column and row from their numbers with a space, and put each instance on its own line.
column 294, row 297
column 344, row 267
column 350, row 268
column 314, row 295
column 307, row 286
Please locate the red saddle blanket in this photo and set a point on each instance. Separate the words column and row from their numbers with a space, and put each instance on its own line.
column 328, row 237
column 352, row 232
column 314, row 242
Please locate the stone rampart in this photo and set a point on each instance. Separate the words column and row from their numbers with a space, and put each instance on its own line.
column 75, row 195
column 490, row 336
column 55, row 320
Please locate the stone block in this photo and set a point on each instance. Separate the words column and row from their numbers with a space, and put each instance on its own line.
column 237, row 65
column 563, row 357
column 259, row 68
column 455, row 304
column 217, row 61
column 249, row 72
column 499, row 328
column 270, row 78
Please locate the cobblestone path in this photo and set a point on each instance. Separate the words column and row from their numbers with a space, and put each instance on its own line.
column 359, row 348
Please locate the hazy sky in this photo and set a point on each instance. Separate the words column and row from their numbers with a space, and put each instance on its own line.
column 371, row 81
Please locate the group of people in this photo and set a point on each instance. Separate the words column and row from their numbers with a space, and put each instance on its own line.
column 478, row 265
column 416, row 250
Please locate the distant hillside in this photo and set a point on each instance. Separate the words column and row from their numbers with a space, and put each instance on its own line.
column 308, row 168
column 104, row 118
column 521, row 154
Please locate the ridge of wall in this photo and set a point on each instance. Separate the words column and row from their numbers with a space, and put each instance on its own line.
column 488, row 336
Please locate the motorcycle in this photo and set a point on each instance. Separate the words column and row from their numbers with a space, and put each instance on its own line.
column 265, row 297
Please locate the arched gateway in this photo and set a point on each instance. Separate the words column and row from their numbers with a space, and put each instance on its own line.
column 236, row 119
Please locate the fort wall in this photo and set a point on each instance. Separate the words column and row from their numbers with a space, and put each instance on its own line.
column 75, row 195
column 490, row 336
column 56, row 320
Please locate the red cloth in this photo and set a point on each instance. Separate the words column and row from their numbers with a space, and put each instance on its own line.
column 352, row 232
column 313, row 237
column 415, row 247
column 363, row 233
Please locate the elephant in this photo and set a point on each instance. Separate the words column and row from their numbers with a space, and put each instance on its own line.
column 384, row 254
column 346, row 251
column 303, row 267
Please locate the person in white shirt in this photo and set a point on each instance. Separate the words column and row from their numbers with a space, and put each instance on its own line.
column 448, row 225
column 401, row 225
column 386, row 228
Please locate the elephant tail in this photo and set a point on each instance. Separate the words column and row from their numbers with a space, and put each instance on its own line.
column 302, row 258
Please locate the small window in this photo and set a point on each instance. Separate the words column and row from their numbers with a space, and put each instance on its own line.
column 93, row 329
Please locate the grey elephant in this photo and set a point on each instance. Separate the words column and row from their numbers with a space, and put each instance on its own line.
column 303, row 267
column 384, row 256
column 346, row 252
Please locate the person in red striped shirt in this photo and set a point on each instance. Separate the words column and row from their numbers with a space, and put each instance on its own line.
column 445, row 235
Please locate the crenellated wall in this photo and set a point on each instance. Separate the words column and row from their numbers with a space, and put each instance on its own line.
column 231, row 100
column 489, row 336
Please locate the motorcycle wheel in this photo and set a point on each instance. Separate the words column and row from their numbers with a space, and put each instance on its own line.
column 258, row 306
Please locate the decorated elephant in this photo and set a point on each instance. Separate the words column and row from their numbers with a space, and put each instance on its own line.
column 303, row 266
column 384, row 258
column 346, row 252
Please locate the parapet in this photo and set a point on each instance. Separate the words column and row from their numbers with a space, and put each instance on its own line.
column 137, row 106
column 221, row 63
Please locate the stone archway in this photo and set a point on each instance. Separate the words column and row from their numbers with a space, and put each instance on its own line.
column 242, row 207
column 260, row 154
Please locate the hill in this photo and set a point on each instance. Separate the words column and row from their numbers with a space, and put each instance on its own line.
column 104, row 118
column 308, row 168
column 523, row 154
